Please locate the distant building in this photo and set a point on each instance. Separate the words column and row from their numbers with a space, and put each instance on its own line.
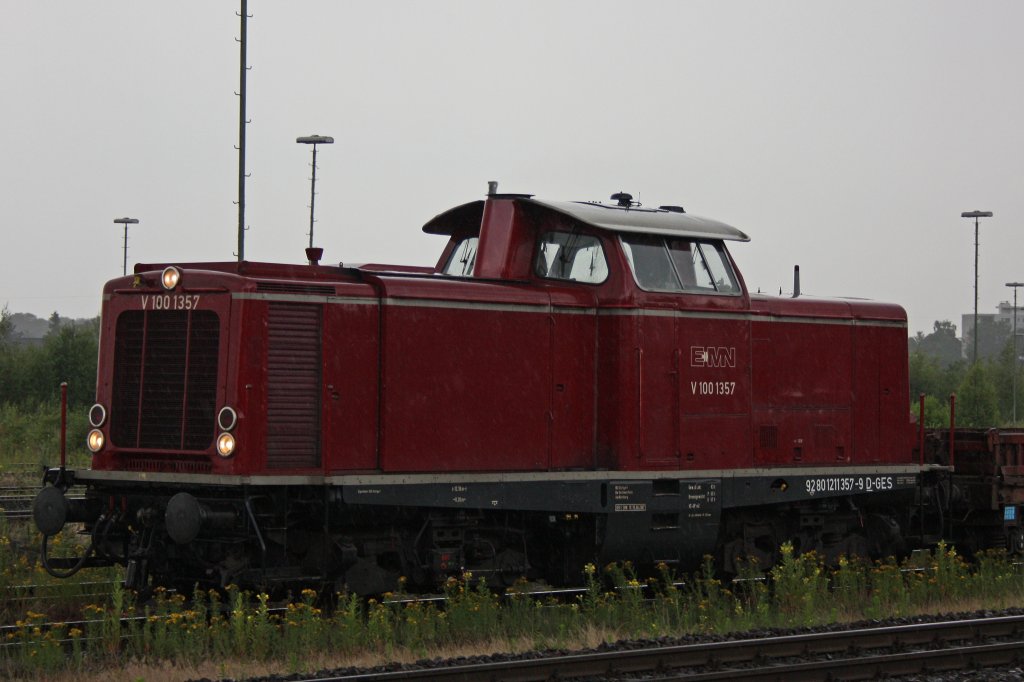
column 990, row 320
column 1005, row 314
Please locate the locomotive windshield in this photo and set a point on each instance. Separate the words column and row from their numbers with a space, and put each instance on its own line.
column 671, row 264
column 463, row 258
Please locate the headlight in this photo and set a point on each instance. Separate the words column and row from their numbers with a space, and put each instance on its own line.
column 170, row 278
column 95, row 440
column 225, row 444
column 97, row 415
column 226, row 418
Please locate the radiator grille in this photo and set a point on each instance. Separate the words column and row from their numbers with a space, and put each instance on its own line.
column 165, row 379
column 170, row 466
column 293, row 386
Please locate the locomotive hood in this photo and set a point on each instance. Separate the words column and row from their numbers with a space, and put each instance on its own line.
column 828, row 309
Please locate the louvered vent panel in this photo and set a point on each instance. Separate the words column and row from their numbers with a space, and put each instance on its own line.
column 769, row 436
column 165, row 379
column 201, row 387
column 124, row 408
column 293, row 386
column 293, row 288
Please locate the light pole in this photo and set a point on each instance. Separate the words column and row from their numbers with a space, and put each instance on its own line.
column 313, row 140
column 976, row 215
column 126, row 222
column 1015, row 286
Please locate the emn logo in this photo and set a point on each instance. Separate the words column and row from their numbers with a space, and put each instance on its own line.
column 712, row 356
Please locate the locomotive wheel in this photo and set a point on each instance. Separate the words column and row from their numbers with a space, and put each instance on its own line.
column 1015, row 541
column 751, row 541
column 884, row 536
column 366, row 576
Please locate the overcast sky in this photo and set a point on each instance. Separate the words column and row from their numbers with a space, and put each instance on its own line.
column 843, row 137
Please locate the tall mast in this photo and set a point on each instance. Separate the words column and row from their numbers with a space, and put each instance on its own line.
column 242, row 69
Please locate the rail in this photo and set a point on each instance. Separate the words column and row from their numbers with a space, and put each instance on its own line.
column 848, row 654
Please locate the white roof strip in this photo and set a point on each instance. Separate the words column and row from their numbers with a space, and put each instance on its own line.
column 644, row 220
column 634, row 219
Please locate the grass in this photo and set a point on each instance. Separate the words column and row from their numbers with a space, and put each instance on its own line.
column 30, row 440
column 237, row 630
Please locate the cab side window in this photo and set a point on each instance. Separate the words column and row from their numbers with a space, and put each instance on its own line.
column 571, row 256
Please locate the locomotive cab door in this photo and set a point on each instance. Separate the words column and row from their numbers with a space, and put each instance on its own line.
column 714, row 389
column 658, row 359
column 573, row 383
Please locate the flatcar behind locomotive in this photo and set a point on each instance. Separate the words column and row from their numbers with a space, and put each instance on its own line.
column 572, row 382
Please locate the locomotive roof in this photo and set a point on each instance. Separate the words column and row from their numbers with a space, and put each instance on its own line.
column 611, row 217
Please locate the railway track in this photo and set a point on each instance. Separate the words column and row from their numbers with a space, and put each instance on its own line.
column 16, row 501
column 16, row 504
column 866, row 653
column 94, row 590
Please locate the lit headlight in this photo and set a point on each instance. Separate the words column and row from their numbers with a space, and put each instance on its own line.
column 226, row 418
column 95, row 440
column 225, row 444
column 170, row 278
column 97, row 415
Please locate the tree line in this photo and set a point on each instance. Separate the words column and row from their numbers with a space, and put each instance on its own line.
column 940, row 365
column 31, row 373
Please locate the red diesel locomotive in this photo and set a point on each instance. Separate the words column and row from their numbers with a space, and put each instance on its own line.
column 572, row 382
